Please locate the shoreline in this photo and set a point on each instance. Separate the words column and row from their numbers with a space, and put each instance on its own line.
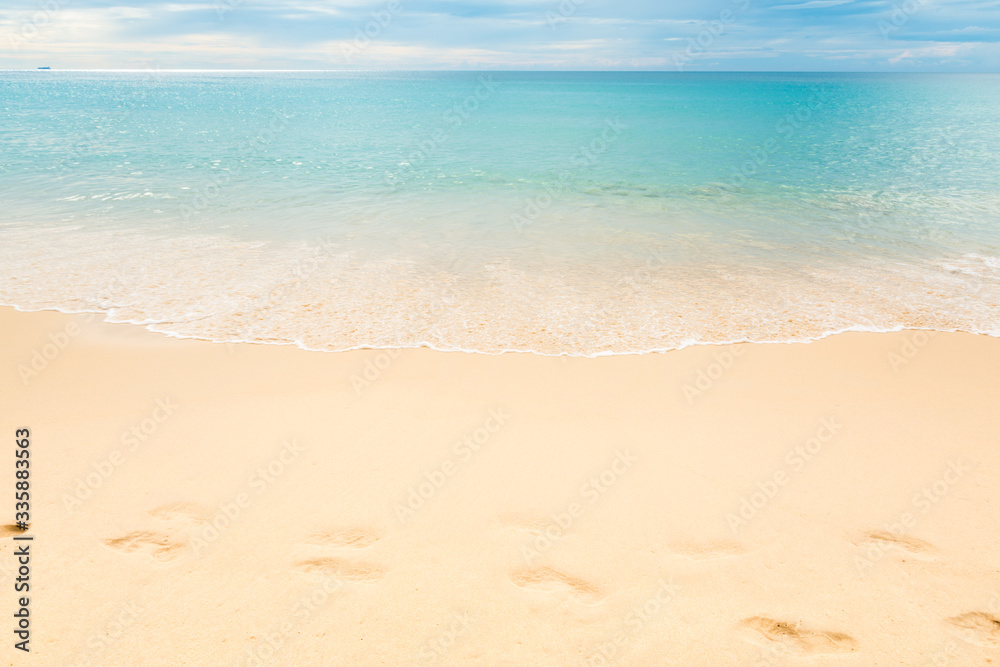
column 741, row 504
column 317, row 297
column 858, row 329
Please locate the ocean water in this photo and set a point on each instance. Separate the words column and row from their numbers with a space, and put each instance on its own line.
column 561, row 213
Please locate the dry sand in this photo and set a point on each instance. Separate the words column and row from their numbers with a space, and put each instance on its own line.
column 832, row 503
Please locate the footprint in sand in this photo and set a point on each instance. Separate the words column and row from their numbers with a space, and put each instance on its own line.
column 552, row 581
column 884, row 541
column 160, row 546
column 338, row 568
column 346, row 538
column 547, row 579
column 977, row 627
column 181, row 512
column 710, row 550
column 794, row 638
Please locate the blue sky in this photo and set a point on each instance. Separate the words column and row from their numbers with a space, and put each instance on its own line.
column 690, row 35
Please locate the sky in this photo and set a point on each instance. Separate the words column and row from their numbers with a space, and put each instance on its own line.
column 671, row 35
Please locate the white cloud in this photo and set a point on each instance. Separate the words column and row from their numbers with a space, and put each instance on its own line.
column 814, row 4
column 946, row 50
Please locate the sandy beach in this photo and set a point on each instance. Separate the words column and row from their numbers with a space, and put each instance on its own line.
column 830, row 503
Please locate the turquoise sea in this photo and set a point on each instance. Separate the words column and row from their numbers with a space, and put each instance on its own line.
column 562, row 213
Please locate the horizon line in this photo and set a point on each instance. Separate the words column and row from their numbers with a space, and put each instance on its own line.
column 584, row 71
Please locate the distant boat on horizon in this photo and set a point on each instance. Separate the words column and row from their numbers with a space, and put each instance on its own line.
column 44, row 68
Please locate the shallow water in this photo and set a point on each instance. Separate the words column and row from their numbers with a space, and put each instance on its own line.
column 562, row 213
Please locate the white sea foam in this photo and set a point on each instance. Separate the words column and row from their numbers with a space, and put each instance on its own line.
column 324, row 296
